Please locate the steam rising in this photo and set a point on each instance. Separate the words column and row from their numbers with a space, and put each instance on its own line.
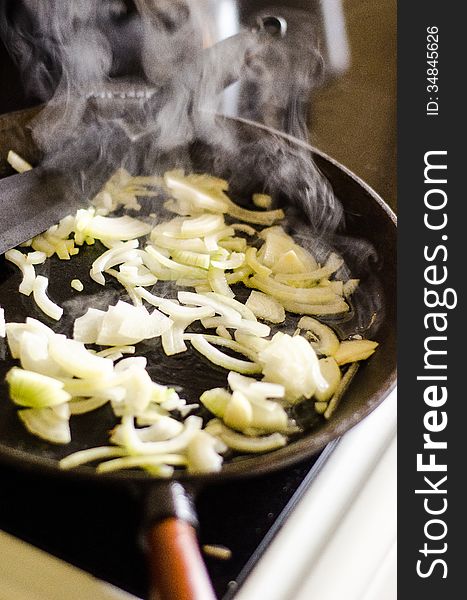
column 160, row 113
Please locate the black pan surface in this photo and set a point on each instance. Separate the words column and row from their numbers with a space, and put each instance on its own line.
column 367, row 217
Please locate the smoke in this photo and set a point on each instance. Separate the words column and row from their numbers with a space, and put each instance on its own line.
column 139, row 85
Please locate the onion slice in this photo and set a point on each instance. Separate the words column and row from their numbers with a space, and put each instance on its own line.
column 39, row 291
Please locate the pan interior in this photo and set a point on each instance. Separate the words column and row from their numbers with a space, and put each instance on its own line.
column 367, row 217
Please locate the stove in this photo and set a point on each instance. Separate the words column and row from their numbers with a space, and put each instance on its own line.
column 97, row 529
column 320, row 529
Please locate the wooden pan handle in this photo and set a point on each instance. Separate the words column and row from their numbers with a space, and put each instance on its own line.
column 177, row 569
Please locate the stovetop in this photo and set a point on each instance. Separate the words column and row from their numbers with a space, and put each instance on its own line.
column 97, row 528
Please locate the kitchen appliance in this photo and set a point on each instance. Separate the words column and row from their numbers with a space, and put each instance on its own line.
column 269, row 493
column 368, row 218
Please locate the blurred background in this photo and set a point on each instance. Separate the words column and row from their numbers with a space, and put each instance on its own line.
column 351, row 110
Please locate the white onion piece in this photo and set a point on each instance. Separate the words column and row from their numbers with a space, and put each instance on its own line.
column 201, row 226
column 17, row 162
column 172, row 339
column 150, row 325
column 201, row 191
column 118, row 254
column 126, row 435
column 292, row 362
column 243, row 443
column 203, row 453
column 218, row 282
column 138, row 388
column 39, row 291
column 265, row 307
column 36, row 258
column 140, row 362
column 244, row 311
column 112, row 228
column 120, row 349
column 204, row 347
column 86, row 328
column 158, row 465
column 248, row 327
column 35, row 390
column 125, row 324
column 84, row 388
column 253, row 388
column 14, row 332
column 212, row 240
column 235, row 261
column 164, row 429
column 27, row 270
column 76, row 359
column 181, row 270
column 77, row 285
column 34, row 355
column 90, row 455
column 81, row 407
column 212, row 301
column 46, row 424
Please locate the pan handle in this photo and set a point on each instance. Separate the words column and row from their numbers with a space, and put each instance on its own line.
column 176, row 567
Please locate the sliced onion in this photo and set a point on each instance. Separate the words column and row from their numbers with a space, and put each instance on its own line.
column 327, row 342
column 81, row 407
column 27, row 270
column 36, row 258
column 289, row 294
column 17, row 162
column 253, row 262
column 35, row 390
column 201, row 191
column 256, row 217
column 243, row 443
column 339, row 306
column 265, row 307
column 205, row 347
column 39, row 291
column 34, row 354
column 125, row 435
column 173, row 340
column 90, row 455
column 218, row 282
column 215, row 302
column 86, row 328
column 213, row 240
column 46, row 424
column 203, row 453
column 354, row 350
column 292, row 362
column 112, row 228
column 76, row 359
column 144, row 462
column 114, row 256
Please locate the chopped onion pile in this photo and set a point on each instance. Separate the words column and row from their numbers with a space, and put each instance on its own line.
column 205, row 249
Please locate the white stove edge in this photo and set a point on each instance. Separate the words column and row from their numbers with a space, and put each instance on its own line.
column 340, row 541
